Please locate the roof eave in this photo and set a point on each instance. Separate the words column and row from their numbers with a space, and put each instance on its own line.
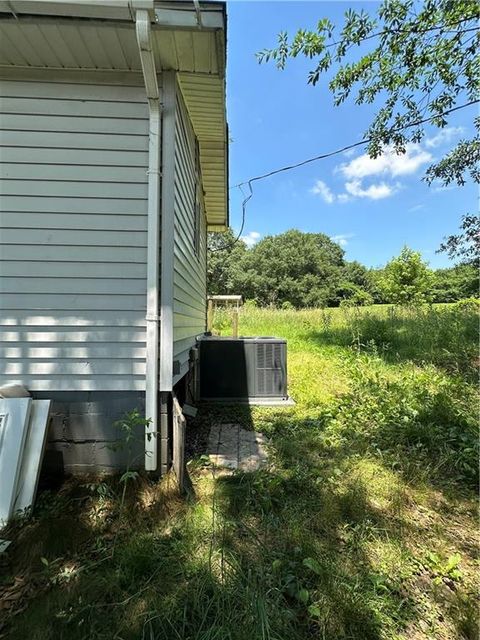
column 165, row 16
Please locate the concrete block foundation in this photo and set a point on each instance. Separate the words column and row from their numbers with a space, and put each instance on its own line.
column 82, row 437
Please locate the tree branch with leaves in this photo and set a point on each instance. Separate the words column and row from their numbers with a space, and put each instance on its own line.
column 421, row 64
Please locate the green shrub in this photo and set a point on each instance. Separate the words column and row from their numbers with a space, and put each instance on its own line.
column 468, row 304
column 358, row 298
column 421, row 419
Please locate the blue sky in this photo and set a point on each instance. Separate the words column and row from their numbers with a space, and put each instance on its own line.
column 276, row 119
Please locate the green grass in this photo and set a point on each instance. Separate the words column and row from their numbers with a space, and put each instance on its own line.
column 364, row 527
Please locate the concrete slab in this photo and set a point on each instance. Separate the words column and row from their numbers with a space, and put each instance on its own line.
column 231, row 447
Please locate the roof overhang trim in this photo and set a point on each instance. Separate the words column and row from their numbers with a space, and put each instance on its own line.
column 201, row 78
column 111, row 10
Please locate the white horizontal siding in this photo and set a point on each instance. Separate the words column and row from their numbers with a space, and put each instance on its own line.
column 88, row 157
column 82, row 205
column 72, row 140
column 71, row 302
column 62, row 220
column 72, row 172
column 69, row 107
column 50, row 269
column 72, row 367
column 111, row 335
column 75, row 189
column 78, row 253
column 66, row 318
column 72, row 124
column 66, row 351
column 189, row 278
column 73, row 237
column 71, row 91
column 64, row 285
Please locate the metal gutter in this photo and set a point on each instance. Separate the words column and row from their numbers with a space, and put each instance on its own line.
column 169, row 84
column 88, row 9
column 168, row 229
column 143, row 32
column 198, row 12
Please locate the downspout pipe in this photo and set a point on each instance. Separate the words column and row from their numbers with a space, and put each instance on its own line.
column 167, row 260
column 143, row 32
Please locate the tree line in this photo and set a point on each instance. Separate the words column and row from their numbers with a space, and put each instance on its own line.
column 296, row 269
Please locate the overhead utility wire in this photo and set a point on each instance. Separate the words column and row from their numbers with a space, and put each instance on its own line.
column 322, row 156
column 350, row 146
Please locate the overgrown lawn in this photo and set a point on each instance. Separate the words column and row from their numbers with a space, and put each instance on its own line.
column 363, row 527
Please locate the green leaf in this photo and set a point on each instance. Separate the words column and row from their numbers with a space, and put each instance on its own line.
column 276, row 565
column 128, row 475
column 452, row 562
column 303, row 596
column 314, row 611
column 313, row 565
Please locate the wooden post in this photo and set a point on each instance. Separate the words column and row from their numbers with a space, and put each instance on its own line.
column 210, row 315
column 179, row 444
column 235, row 323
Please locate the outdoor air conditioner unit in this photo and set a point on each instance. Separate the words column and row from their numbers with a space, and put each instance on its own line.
column 243, row 369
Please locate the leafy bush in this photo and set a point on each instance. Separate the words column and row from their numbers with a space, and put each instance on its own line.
column 468, row 304
column 357, row 298
column 421, row 419
column 407, row 279
column 450, row 285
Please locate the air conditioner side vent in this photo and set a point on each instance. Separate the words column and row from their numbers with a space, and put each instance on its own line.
column 243, row 368
column 270, row 369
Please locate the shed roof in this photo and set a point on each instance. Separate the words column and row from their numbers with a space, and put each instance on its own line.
column 188, row 37
column 226, row 298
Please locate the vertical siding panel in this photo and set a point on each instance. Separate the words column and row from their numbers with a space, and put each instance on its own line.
column 75, row 220
column 189, row 266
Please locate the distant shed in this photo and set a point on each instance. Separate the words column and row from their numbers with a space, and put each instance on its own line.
column 227, row 301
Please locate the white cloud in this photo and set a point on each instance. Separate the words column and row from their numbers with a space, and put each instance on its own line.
column 354, row 189
column 373, row 192
column 416, row 207
column 251, row 238
column 389, row 163
column 342, row 238
column 324, row 191
column 444, row 136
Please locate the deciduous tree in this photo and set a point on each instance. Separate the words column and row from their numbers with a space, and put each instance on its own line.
column 301, row 268
column 418, row 61
column 224, row 263
column 407, row 279
column 456, row 283
column 465, row 246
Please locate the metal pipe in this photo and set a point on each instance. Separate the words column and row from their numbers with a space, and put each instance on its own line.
column 143, row 32
column 198, row 13
column 169, row 88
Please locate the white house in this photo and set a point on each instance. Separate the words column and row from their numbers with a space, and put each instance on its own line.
column 113, row 167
